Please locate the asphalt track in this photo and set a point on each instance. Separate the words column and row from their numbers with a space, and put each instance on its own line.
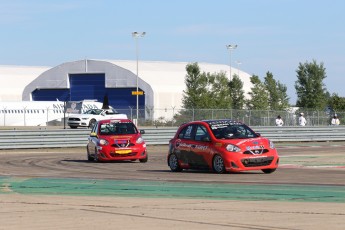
column 60, row 189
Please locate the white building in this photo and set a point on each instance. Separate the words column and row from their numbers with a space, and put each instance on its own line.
column 162, row 82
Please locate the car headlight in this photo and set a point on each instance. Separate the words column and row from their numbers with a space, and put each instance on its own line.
column 140, row 140
column 232, row 148
column 103, row 142
column 271, row 145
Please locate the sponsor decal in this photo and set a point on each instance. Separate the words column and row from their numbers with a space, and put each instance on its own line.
column 201, row 147
column 222, row 124
column 186, row 145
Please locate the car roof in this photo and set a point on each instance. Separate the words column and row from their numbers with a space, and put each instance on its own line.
column 213, row 122
column 216, row 121
column 221, row 121
column 115, row 119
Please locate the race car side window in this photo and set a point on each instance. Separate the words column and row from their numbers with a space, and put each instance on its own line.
column 201, row 133
column 186, row 133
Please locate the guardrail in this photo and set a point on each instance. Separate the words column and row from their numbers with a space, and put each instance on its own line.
column 57, row 138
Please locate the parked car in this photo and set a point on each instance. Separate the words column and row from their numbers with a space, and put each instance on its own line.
column 90, row 117
column 221, row 145
column 116, row 139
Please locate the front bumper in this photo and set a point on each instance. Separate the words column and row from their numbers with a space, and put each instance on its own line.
column 252, row 163
column 116, row 154
column 77, row 123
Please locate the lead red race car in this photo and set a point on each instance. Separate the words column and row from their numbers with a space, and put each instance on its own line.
column 116, row 140
column 222, row 146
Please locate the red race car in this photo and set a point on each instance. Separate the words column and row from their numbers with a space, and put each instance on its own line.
column 221, row 145
column 114, row 140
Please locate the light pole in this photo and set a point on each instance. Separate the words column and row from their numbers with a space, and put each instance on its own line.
column 230, row 48
column 238, row 68
column 136, row 36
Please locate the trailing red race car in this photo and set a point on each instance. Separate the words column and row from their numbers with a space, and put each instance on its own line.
column 221, row 145
column 116, row 139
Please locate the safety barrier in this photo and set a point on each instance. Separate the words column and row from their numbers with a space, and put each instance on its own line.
column 57, row 138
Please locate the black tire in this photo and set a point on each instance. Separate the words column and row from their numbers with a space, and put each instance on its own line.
column 218, row 164
column 92, row 123
column 174, row 164
column 268, row 171
column 95, row 158
column 144, row 160
column 89, row 157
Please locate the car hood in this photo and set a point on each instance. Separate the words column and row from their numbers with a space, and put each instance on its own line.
column 114, row 138
column 258, row 141
column 81, row 115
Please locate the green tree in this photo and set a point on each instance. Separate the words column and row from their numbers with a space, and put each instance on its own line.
column 336, row 103
column 278, row 99
column 259, row 95
column 219, row 91
column 310, row 89
column 196, row 94
column 236, row 93
column 205, row 90
column 283, row 97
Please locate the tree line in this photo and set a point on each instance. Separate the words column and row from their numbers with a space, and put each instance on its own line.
column 216, row 91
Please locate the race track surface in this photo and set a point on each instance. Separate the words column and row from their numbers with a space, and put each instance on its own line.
column 306, row 192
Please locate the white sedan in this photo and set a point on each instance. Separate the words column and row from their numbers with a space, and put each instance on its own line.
column 90, row 117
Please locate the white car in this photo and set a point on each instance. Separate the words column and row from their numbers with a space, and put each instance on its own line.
column 90, row 117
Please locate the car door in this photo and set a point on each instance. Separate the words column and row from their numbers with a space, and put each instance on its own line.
column 200, row 150
column 183, row 144
column 92, row 140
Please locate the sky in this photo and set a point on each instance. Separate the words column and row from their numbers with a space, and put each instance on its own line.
column 271, row 35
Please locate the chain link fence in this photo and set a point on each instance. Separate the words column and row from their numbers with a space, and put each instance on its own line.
column 175, row 117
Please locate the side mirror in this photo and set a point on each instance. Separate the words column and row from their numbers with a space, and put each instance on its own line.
column 259, row 134
column 142, row 131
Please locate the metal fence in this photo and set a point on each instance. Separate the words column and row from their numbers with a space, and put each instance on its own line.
column 58, row 138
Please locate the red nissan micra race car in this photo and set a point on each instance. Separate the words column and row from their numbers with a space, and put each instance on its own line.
column 114, row 140
column 221, row 145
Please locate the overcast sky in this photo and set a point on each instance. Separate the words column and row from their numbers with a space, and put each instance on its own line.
column 272, row 35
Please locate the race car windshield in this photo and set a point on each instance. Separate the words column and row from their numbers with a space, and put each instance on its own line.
column 94, row 111
column 236, row 131
column 118, row 129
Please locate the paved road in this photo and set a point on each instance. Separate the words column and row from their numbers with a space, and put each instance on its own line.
column 58, row 188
